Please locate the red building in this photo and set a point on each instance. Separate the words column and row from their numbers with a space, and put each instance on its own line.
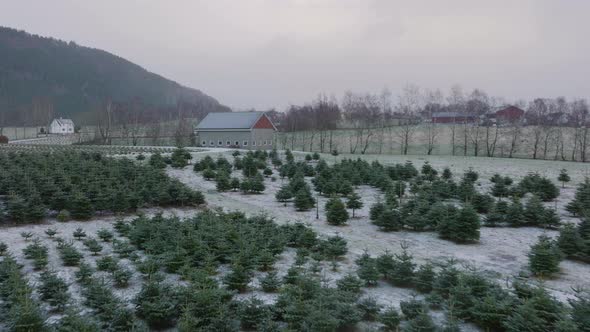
column 509, row 114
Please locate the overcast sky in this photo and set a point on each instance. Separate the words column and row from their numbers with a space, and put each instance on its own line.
column 272, row 53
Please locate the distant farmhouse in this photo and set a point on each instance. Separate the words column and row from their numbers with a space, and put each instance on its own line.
column 61, row 126
column 248, row 130
column 509, row 114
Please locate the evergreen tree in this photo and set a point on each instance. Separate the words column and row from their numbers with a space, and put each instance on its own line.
column 376, row 210
column 81, row 207
column 354, row 202
column 447, row 221
column 270, row 283
column 497, row 215
column 412, row 308
column 257, row 184
column 223, row 182
column 424, row 278
column 79, row 233
column 467, row 226
column 515, row 214
column 580, row 206
column 370, row 308
column 570, row 242
column 544, row 257
column 421, row 323
column 428, row 172
column 390, row 319
column 368, row 271
column 482, row 203
column 534, row 210
column 549, row 219
column 350, row 283
column 157, row 161
column 284, row 194
column 403, row 268
column 447, row 174
column 54, row 290
column 35, row 208
column 500, row 189
column 563, row 177
column 304, row 200
column 390, row 220
column 17, row 209
column 235, row 184
column 209, row 174
column 336, row 213
column 580, row 311
column 180, row 158
column 238, row 278
column 157, row 303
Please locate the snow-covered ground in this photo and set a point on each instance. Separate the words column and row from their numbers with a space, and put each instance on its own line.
column 500, row 254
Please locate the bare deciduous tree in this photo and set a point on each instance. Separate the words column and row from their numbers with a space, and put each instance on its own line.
column 408, row 107
column 105, row 121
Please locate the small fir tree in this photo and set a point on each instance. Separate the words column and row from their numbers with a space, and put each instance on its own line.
column 467, row 226
column 284, row 194
column 354, row 202
column 563, row 177
column 544, row 257
column 390, row 319
column 336, row 213
column 304, row 200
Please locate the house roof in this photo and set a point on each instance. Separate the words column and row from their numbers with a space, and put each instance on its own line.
column 230, row 121
column 64, row 122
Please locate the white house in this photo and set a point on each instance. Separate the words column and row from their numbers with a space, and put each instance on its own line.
column 61, row 126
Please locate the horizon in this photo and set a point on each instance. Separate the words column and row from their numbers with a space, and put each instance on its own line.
column 262, row 54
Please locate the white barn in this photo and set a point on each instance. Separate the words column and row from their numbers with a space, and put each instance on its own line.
column 61, row 126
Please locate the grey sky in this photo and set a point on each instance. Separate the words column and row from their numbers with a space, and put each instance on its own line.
column 267, row 53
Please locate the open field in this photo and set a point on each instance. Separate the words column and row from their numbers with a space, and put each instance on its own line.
column 388, row 141
column 500, row 255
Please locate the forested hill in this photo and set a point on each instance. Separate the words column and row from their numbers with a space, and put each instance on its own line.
column 45, row 77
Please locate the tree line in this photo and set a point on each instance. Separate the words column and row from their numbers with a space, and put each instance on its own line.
column 359, row 123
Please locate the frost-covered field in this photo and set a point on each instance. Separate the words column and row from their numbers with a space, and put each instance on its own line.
column 500, row 254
